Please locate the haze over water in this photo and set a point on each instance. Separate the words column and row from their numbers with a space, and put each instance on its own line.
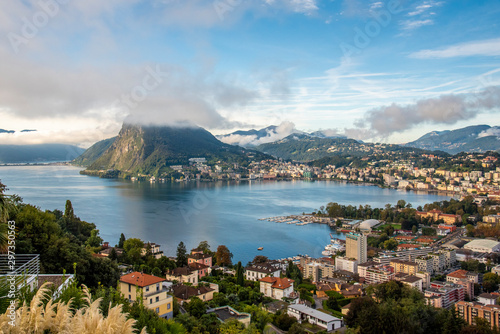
column 221, row 213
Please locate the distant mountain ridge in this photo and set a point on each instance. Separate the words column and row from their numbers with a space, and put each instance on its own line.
column 273, row 133
column 304, row 148
column 152, row 149
column 478, row 138
column 14, row 154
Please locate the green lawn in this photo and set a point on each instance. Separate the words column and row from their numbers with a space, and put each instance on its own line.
column 396, row 226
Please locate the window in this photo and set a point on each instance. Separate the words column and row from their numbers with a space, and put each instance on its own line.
column 157, row 298
column 151, row 300
column 129, row 298
column 157, row 310
column 157, row 286
column 147, row 289
column 129, row 288
column 169, row 306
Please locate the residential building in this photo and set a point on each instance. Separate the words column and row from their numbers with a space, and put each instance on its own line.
column 276, row 287
column 345, row 289
column 202, row 269
column 154, row 249
column 183, row 275
column 318, row 268
column 411, row 280
column 226, row 313
column 306, row 314
column 488, row 298
column 490, row 221
column 261, row 270
column 426, row 279
column 378, row 275
column 444, row 294
column 362, row 267
column 425, row 263
column 345, row 263
column 436, row 215
column 153, row 292
column 407, row 267
column 184, row 293
column 470, row 311
column 356, row 246
column 197, row 256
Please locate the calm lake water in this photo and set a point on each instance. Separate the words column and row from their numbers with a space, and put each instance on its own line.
column 222, row 213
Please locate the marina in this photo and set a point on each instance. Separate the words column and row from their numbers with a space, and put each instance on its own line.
column 299, row 220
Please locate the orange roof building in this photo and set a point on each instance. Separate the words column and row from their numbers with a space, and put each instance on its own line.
column 276, row 287
column 154, row 294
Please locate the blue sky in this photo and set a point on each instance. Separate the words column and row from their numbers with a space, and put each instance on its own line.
column 373, row 70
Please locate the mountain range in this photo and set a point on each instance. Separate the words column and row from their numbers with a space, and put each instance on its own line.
column 270, row 134
column 14, row 154
column 151, row 150
column 478, row 138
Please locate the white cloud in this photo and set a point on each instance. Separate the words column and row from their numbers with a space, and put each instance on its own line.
column 415, row 24
column 494, row 131
column 283, row 130
column 489, row 47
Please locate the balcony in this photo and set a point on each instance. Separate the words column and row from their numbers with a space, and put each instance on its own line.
column 24, row 267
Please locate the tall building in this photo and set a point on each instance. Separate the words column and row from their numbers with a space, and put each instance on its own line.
column 356, row 246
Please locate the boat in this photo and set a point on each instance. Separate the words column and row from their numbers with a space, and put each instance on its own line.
column 333, row 247
column 260, row 248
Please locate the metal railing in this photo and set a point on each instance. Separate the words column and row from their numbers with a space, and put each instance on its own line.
column 24, row 267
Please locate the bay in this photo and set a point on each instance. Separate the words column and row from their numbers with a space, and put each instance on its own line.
column 224, row 213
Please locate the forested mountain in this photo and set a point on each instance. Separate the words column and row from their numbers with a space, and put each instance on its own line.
column 300, row 147
column 478, row 138
column 151, row 149
column 94, row 152
column 38, row 153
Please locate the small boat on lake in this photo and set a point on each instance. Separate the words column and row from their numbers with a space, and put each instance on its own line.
column 260, row 248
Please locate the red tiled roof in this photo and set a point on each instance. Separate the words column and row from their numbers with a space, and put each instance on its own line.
column 140, row 279
column 278, row 283
column 460, row 273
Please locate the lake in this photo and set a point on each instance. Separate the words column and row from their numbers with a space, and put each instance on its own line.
column 224, row 213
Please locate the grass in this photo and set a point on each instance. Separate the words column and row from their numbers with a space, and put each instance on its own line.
column 396, row 226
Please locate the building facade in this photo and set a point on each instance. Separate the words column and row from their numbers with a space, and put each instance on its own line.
column 154, row 294
column 356, row 246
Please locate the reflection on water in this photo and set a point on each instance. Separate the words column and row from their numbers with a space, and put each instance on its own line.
column 221, row 213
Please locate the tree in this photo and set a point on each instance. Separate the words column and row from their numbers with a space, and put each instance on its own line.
column 181, row 255
column 196, row 307
column 121, row 241
column 390, row 244
column 205, row 247
column 240, row 279
column 297, row 329
column 260, row 259
column 113, row 256
column 94, row 240
column 414, row 229
column 283, row 321
column 68, row 210
column 401, row 204
column 332, row 303
column 133, row 249
column 223, row 256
